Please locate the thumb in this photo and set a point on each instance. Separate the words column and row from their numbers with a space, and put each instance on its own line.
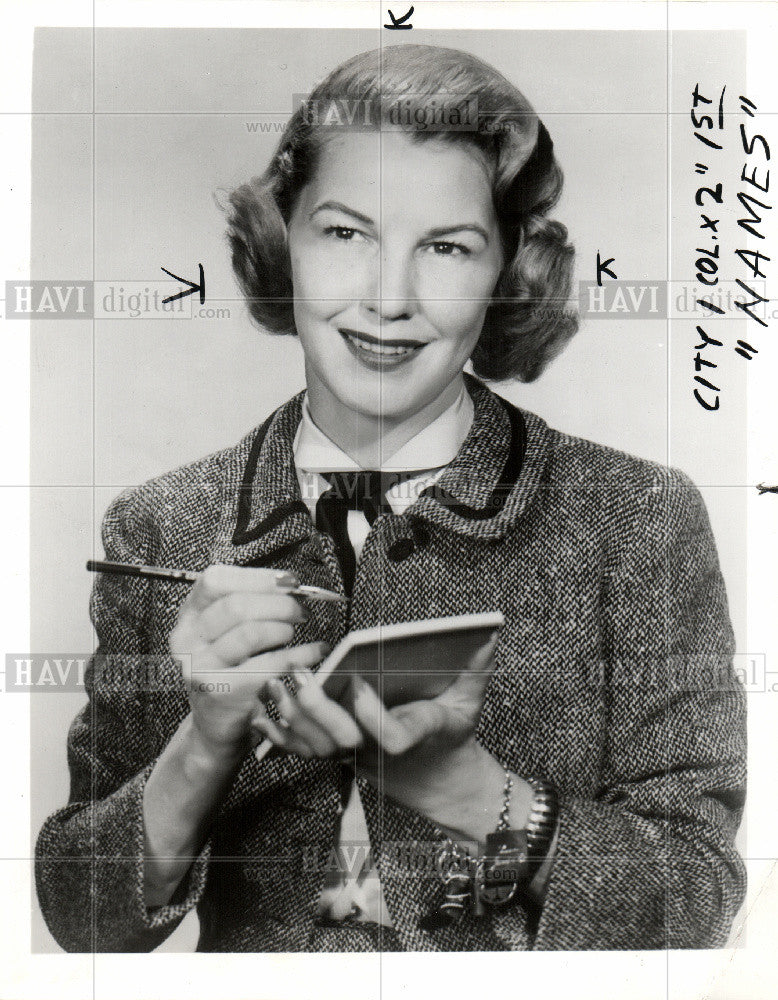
column 398, row 729
column 416, row 720
column 474, row 679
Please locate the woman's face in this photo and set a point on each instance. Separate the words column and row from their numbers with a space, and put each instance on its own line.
column 395, row 253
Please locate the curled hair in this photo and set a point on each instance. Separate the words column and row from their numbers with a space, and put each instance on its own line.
column 528, row 321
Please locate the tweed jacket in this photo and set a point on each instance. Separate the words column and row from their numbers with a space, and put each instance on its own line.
column 613, row 679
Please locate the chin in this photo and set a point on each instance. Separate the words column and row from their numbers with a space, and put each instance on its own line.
column 376, row 403
column 374, row 407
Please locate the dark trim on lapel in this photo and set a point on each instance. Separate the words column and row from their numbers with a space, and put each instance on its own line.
column 241, row 535
column 485, row 489
column 278, row 553
column 508, row 476
column 274, row 518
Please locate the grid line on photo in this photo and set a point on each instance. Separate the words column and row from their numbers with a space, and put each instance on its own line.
column 94, row 721
column 668, row 264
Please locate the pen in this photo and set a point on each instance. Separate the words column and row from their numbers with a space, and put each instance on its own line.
column 189, row 576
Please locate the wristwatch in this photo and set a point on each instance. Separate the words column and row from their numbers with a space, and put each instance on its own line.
column 510, row 861
column 513, row 857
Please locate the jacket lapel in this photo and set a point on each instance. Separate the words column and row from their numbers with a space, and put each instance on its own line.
column 482, row 493
column 496, row 472
column 263, row 514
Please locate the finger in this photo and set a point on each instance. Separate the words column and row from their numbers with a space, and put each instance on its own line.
column 300, row 725
column 471, row 683
column 379, row 723
column 224, row 684
column 303, row 676
column 250, row 638
column 280, row 735
column 250, row 677
column 326, row 713
column 274, row 731
column 417, row 720
column 218, row 580
column 480, row 661
column 239, row 606
column 278, row 662
column 282, row 739
column 277, row 730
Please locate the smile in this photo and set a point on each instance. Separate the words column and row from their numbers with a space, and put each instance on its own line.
column 379, row 353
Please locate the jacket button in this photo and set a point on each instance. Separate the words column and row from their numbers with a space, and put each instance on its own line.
column 400, row 549
column 421, row 533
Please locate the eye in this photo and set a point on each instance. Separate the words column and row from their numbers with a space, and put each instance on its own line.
column 344, row 233
column 444, row 248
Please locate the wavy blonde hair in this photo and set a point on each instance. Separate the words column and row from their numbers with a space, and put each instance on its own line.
column 528, row 321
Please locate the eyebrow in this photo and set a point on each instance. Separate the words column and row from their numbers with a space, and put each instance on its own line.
column 466, row 227
column 338, row 206
column 436, row 233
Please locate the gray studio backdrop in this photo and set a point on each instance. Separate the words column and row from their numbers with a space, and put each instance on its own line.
column 136, row 187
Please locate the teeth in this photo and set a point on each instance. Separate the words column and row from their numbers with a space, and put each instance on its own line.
column 381, row 351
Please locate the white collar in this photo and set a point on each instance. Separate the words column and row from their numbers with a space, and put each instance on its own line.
column 434, row 447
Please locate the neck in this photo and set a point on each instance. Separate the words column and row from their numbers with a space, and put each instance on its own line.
column 371, row 440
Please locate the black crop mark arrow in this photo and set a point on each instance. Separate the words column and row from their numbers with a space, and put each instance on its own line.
column 766, row 489
column 604, row 268
column 398, row 23
column 192, row 286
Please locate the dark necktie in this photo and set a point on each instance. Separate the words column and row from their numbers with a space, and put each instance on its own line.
column 364, row 491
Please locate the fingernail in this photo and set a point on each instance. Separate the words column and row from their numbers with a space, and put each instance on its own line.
column 287, row 580
column 360, row 686
column 325, row 647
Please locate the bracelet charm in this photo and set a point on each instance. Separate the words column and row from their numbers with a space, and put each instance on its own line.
column 504, row 866
column 510, row 861
column 455, row 866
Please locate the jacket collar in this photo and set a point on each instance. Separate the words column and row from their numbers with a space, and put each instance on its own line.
column 481, row 494
column 432, row 448
column 487, row 487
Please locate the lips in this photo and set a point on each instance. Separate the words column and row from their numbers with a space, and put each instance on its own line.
column 379, row 352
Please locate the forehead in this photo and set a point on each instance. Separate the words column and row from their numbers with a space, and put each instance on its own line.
column 389, row 172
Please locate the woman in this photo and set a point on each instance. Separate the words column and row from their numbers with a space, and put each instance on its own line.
column 588, row 739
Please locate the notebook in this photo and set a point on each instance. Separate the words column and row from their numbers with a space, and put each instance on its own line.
column 404, row 662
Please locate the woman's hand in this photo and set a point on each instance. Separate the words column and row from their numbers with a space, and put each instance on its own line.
column 422, row 753
column 229, row 636
column 429, row 730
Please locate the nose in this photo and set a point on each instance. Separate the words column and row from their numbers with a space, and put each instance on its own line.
column 393, row 296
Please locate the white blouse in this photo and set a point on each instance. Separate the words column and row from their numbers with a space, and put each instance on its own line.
column 355, row 887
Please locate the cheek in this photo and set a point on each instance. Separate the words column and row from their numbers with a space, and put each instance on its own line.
column 305, row 274
column 320, row 274
column 458, row 320
column 455, row 299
